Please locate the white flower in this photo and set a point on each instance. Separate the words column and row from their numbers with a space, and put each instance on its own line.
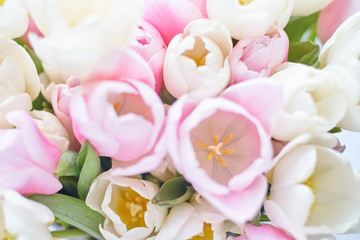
column 340, row 55
column 307, row 7
column 51, row 127
column 250, row 18
column 13, row 20
column 196, row 62
column 79, row 33
column 314, row 189
column 23, row 219
column 19, row 82
column 315, row 101
column 125, row 203
column 196, row 220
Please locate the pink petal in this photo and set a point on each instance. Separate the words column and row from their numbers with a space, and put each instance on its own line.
column 240, row 206
column 170, row 17
column 261, row 99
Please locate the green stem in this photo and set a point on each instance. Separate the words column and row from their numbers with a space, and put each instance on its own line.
column 69, row 233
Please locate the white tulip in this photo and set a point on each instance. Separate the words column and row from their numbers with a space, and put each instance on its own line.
column 314, row 101
column 340, row 55
column 19, row 82
column 125, row 203
column 314, row 190
column 13, row 20
column 250, row 18
column 79, row 33
column 51, row 127
column 307, row 7
column 197, row 61
column 23, row 219
column 196, row 219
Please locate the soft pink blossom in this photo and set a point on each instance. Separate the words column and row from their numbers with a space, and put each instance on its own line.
column 60, row 100
column 264, row 231
column 123, row 120
column 119, row 65
column 149, row 44
column 223, row 145
column 27, row 158
column 333, row 15
column 170, row 17
column 257, row 56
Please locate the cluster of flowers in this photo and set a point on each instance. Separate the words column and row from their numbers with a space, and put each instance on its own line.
column 165, row 119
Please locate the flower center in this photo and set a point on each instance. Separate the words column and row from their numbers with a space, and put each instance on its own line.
column 207, row 233
column 215, row 150
column 131, row 208
column 116, row 106
column 245, row 2
column 2, row 2
column 198, row 53
column 7, row 236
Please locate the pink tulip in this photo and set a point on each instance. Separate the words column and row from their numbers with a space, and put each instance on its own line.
column 150, row 45
column 265, row 231
column 257, row 56
column 60, row 99
column 223, row 145
column 333, row 15
column 118, row 65
column 123, row 120
column 170, row 17
column 27, row 158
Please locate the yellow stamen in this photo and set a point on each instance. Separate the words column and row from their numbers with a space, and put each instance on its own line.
column 207, row 234
column 245, row 2
column 131, row 208
column 7, row 236
column 221, row 161
column 116, row 106
column 215, row 150
column 2, row 2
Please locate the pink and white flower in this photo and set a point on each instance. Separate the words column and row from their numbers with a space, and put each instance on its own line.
column 19, row 82
column 250, row 18
column 196, row 219
column 82, row 31
column 127, row 207
column 123, row 120
column 28, row 159
column 264, row 231
column 257, row 56
column 22, row 218
column 222, row 145
column 197, row 61
column 150, row 45
column 314, row 190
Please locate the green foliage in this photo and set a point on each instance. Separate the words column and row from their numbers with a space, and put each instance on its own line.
column 304, row 52
column 67, row 165
column 73, row 211
column 89, row 165
column 302, row 28
column 173, row 192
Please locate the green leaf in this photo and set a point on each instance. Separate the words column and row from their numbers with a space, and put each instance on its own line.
column 264, row 218
column 40, row 103
column 173, row 192
column 256, row 220
column 151, row 178
column 69, row 233
column 69, row 185
column 335, row 130
column 302, row 28
column 73, row 211
column 91, row 168
column 67, row 165
column 304, row 52
column 34, row 57
column 166, row 97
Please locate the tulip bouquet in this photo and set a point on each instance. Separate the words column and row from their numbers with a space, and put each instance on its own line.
column 178, row 120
